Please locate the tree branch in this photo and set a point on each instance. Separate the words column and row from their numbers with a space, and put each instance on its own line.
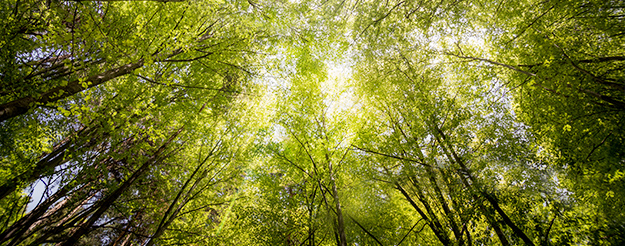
column 390, row 156
column 366, row 231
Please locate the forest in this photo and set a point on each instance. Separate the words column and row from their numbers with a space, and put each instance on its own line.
column 312, row 122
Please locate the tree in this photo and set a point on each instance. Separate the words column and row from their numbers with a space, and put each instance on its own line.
column 118, row 126
column 568, row 88
column 311, row 122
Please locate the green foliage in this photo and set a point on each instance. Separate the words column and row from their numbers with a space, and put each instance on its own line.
column 209, row 122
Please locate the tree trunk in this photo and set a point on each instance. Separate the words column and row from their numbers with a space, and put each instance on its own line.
column 444, row 240
column 450, row 216
column 169, row 218
column 111, row 198
column 20, row 227
column 493, row 201
column 339, row 211
column 45, row 164
column 418, row 190
column 22, row 105
column 439, row 194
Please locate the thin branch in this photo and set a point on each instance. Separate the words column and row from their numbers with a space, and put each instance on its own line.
column 366, row 231
column 390, row 156
column 530, row 25
column 415, row 225
column 550, row 225
column 182, row 86
column 375, row 22
column 492, row 62
column 292, row 163
column 598, row 145
column 187, row 60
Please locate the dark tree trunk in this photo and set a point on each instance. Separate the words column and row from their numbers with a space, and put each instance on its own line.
column 22, row 105
column 111, row 198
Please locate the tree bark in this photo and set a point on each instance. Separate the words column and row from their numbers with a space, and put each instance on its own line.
column 20, row 227
column 22, row 105
column 84, row 139
column 439, row 194
column 419, row 192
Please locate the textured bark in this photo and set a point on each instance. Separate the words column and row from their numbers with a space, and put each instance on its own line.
column 20, row 227
column 22, row 105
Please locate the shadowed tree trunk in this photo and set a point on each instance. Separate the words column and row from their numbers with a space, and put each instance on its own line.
column 22, row 105
column 111, row 198
column 45, row 164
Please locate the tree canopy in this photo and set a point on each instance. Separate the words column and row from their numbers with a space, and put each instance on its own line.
column 227, row 122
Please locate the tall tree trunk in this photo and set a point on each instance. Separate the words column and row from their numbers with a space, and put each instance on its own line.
column 435, row 228
column 339, row 211
column 470, row 184
column 55, row 219
column 84, row 139
column 418, row 190
column 311, row 226
column 450, row 216
column 432, row 178
column 22, row 105
column 171, row 213
column 45, row 164
column 20, row 227
column 111, row 198
column 42, row 214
